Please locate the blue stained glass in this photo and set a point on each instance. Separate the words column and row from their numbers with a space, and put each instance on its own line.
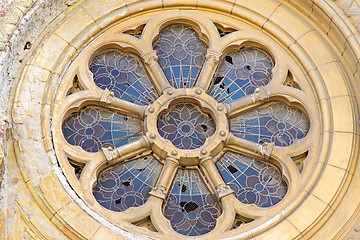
column 180, row 54
column 186, row 126
column 190, row 207
column 127, row 184
column 253, row 182
column 240, row 73
column 123, row 75
column 273, row 122
column 93, row 128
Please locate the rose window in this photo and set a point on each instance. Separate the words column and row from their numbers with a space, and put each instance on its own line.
column 179, row 138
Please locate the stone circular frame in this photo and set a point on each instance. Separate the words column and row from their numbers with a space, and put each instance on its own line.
column 185, row 157
column 303, row 48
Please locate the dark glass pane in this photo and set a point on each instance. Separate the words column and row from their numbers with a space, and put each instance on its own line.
column 181, row 54
column 274, row 122
column 190, row 207
column 240, row 73
column 186, row 126
column 128, row 184
column 123, row 75
column 93, row 128
column 253, row 182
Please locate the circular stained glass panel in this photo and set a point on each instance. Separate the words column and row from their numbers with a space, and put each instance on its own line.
column 186, row 126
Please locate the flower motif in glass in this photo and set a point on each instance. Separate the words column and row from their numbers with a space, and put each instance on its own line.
column 186, row 126
column 92, row 128
column 128, row 184
column 253, row 182
column 274, row 122
column 124, row 76
column 240, row 73
column 180, row 54
column 190, row 207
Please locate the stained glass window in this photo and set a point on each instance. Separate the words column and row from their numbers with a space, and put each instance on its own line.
column 187, row 129
column 190, row 207
column 123, row 75
column 253, row 182
column 186, row 126
column 275, row 123
column 240, row 73
column 180, row 54
column 94, row 127
column 128, row 184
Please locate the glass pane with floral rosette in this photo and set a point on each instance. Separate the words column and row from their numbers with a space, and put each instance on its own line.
column 93, row 128
column 181, row 54
column 123, row 75
column 274, row 122
column 240, row 73
column 127, row 184
column 190, row 207
column 186, row 126
column 253, row 182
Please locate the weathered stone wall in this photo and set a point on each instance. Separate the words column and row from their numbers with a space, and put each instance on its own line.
column 21, row 23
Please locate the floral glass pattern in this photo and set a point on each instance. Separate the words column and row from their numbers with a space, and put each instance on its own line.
column 253, row 182
column 186, row 126
column 240, row 73
column 128, row 184
column 92, row 128
column 180, row 54
column 190, row 207
column 123, row 75
column 275, row 123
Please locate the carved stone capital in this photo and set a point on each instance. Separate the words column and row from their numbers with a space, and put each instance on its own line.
column 212, row 58
column 205, row 161
column 172, row 161
column 146, row 142
column 150, row 58
column 159, row 191
column 264, row 149
column 223, row 190
column 107, row 97
column 260, row 95
column 110, row 153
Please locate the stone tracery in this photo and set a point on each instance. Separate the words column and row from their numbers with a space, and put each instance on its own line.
column 188, row 123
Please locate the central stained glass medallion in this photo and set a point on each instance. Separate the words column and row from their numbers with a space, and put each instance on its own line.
column 186, row 126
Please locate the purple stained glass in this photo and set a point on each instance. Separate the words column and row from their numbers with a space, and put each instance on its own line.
column 92, row 128
column 127, row 184
column 123, row 75
column 186, row 126
column 240, row 73
column 253, row 182
column 273, row 122
column 181, row 54
column 190, row 207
